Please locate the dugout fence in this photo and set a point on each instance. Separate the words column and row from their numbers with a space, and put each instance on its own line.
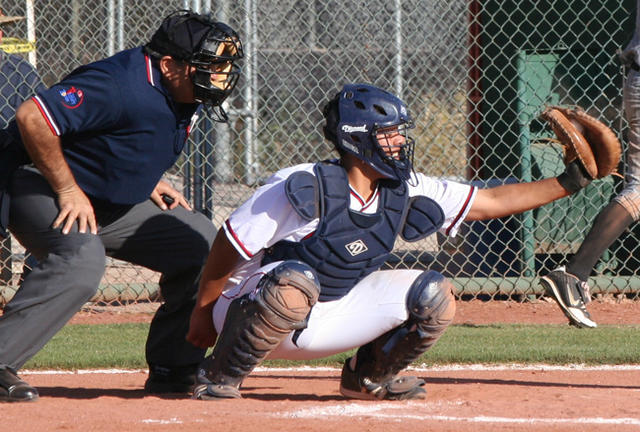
column 474, row 73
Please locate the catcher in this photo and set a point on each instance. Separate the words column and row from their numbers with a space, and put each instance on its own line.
column 295, row 273
column 568, row 284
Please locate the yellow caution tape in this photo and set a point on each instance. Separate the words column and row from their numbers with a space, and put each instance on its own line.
column 15, row 45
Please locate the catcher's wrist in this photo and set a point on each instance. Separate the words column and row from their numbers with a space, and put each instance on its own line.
column 574, row 177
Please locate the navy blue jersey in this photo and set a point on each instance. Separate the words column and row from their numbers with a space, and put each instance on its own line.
column 119, row 128
column 18, row 82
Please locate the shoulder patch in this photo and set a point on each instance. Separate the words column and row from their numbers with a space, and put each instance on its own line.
column 302, row 192
column 72, row 97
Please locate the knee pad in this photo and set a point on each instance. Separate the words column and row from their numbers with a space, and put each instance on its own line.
column 430, row 299
column 287, row 293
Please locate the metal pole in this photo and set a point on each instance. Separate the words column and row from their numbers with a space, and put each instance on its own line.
column 398, row 79
column 251, row 18
column 223, row 154
column 120, row 25
column 31, row 30
column 111, row 27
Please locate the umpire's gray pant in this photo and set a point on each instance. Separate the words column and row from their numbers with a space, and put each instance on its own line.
column 70, row 267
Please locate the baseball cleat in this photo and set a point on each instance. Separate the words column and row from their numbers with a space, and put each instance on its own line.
column 215, row 392
column 397, row 388
column 164, row 380
column 571, row 294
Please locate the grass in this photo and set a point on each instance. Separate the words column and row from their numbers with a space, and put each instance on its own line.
column 122, row 346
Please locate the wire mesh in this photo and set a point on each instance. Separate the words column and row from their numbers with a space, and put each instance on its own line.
column 474, row 73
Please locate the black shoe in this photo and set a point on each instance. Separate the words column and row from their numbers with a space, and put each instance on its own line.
column 13, row 389
column 571, row 294
column 176, row 379
column 398, row 388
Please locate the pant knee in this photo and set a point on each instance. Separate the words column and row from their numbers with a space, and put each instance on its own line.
column 431, row 300
column 85, row 258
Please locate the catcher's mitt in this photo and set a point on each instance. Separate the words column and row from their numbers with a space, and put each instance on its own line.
column 585, row 139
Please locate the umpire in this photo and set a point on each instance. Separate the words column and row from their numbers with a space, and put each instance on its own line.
column 86, row 183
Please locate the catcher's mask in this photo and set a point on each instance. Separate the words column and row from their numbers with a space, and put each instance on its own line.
column 365, row 123
column 212, row 47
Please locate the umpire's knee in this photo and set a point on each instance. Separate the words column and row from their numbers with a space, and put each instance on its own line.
column 430, row 299
column 84, row 257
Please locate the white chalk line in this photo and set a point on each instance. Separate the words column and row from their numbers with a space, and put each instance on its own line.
column 381, row 411
column 423, row 368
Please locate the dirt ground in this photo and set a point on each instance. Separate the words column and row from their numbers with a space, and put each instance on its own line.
column 470, row 398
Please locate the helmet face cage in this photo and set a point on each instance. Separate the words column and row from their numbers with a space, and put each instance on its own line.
column 217, row 72
column 369, row 118
column 398, row 156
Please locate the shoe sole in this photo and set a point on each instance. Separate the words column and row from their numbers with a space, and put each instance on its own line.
column 9, row 399
column 353, row 394
column 211, row 392
column 550, row 288
column 415, row 393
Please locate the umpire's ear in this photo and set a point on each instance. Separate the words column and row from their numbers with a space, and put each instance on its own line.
column 177, row 78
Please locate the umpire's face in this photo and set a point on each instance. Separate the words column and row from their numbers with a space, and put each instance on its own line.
column 177, row 78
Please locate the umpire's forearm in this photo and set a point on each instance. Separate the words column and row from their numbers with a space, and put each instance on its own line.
column 44, row 147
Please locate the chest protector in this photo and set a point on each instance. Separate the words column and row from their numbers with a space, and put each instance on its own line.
column 349, row 245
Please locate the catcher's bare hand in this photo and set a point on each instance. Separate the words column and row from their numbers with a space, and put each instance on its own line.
column 75, row 206
column 202, row 333
column 167, row 198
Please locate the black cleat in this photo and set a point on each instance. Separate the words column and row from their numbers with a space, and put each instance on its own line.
column 397, row 388
column 571, row 294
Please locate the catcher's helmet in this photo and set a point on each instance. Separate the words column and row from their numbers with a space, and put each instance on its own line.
column 212, row 47
column 356, row 120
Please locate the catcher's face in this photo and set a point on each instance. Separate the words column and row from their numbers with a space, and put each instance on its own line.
column 392, row 141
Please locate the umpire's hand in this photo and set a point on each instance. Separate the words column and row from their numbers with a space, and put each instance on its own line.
column 167, row 198
column 75, row 206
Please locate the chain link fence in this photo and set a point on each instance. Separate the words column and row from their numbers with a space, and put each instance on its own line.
column 474, row 73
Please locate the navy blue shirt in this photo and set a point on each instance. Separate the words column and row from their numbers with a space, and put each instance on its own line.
column 18, row 81
column 119, row 128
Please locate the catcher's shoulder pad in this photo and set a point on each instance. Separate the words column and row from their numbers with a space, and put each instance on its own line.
column 424, row 217
column 301, row 189
column 574, row 142
column 604, row 143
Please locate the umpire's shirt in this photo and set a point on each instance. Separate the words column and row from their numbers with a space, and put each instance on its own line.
column 119, row 128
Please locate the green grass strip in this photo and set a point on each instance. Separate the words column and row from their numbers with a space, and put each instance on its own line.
column 122, row 346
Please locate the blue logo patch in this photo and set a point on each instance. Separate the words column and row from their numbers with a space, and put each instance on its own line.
column 72, row 97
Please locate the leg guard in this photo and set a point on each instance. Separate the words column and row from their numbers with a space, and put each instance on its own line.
column 372, row 373
column 254, row 326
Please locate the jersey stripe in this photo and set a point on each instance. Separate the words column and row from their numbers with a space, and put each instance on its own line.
column 235, row 241
column 149, row 70
column 462, row 210
column 47, row 116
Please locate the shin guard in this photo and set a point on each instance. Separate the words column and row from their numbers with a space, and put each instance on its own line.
column 255, row 325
